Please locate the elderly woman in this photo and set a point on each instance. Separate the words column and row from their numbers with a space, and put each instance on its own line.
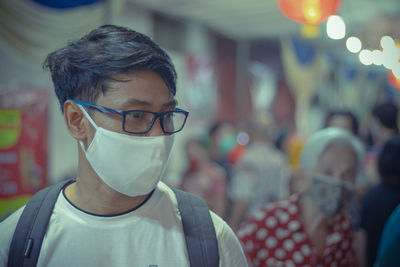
column 311, row 228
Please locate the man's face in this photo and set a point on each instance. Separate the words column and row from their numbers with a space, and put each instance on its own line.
column 144, row 90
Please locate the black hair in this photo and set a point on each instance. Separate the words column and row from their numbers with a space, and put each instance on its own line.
column 214, row 128
column 345, row 113
column 388, row 161
column 387, row 114
column 83, row 68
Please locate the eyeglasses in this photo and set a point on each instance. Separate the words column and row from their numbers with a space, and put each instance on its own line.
column 141, row 121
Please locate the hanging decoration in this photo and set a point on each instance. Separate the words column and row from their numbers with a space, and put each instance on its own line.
column 23, row 145
column 309, row 11
column 62, row 4
column 393, row 81
column 309, row 31
column 303, row 67
column 31, row 29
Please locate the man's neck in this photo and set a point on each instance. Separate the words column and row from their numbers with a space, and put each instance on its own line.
column 91, row 194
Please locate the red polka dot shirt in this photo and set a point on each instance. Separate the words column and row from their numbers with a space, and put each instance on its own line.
column 274, row 236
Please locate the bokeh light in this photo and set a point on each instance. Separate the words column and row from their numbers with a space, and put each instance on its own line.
column 353, row 44
column 387, row 42
column 242, row 138
column 335, row 27
column 376, row 57
column 365, row 57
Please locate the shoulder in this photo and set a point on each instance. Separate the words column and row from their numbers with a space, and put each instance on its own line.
column 395, row 217
column 277, row 209
column 272, row 217
column 390, row 240
column 230, row 249
column 7, row 228
column 373, row 195
column 392, row 225
column 222, row 229
column 167, row 194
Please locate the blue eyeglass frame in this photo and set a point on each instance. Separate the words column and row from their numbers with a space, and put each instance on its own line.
column 124, row 112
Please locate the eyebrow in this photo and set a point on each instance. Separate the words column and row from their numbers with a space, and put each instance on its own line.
column 135, row 102
column 171, row 103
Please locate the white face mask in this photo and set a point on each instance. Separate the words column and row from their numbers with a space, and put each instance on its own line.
column 329, row 194
column 131, row 165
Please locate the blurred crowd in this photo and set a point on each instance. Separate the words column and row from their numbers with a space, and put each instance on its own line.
column 328, row 199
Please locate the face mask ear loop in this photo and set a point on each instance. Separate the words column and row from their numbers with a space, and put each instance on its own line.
column 90, row 120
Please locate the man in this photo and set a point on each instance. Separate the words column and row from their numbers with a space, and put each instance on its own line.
column 384, row 126
column 381, row 200
column 116, row 89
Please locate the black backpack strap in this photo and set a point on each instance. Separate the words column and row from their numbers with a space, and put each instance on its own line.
column 32, row 225
column 201, row 239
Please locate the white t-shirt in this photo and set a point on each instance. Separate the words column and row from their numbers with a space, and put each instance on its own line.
column 149, row 236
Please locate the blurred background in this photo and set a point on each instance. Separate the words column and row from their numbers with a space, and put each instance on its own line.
column 287, row 63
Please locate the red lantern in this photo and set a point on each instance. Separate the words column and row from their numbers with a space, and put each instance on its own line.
column 309, row 11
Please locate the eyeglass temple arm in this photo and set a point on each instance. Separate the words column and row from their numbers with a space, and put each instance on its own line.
column 99, row 108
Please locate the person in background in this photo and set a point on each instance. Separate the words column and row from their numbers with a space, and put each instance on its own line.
column 385, row 122
column 116, row 89
column 384, row 125
column 224, row 149
column 222, row 140
column 204, row 177
column 343, row 119
column 389, row 247
column 310, row 228
column 380, row 201
column 260, row 176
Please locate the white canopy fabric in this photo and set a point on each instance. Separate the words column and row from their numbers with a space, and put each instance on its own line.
column 30, row 31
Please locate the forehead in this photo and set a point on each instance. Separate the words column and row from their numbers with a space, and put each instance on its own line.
column 338, row 155
column 341, row 121
column 135, row 90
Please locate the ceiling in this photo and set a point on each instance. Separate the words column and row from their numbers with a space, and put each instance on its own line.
column 255, row 19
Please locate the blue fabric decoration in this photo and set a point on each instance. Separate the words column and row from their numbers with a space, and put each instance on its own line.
column 372, row 75
column 330, row 57
column 349, row 73
column 62, row 4
column 305, row 53
column 389, row 91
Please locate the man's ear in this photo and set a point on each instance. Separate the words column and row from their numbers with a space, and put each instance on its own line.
column 75, row 120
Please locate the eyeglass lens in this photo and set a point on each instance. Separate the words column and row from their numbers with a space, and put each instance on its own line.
column 141, row 121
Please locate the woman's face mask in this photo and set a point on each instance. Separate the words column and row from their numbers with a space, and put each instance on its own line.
column 329, row 194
